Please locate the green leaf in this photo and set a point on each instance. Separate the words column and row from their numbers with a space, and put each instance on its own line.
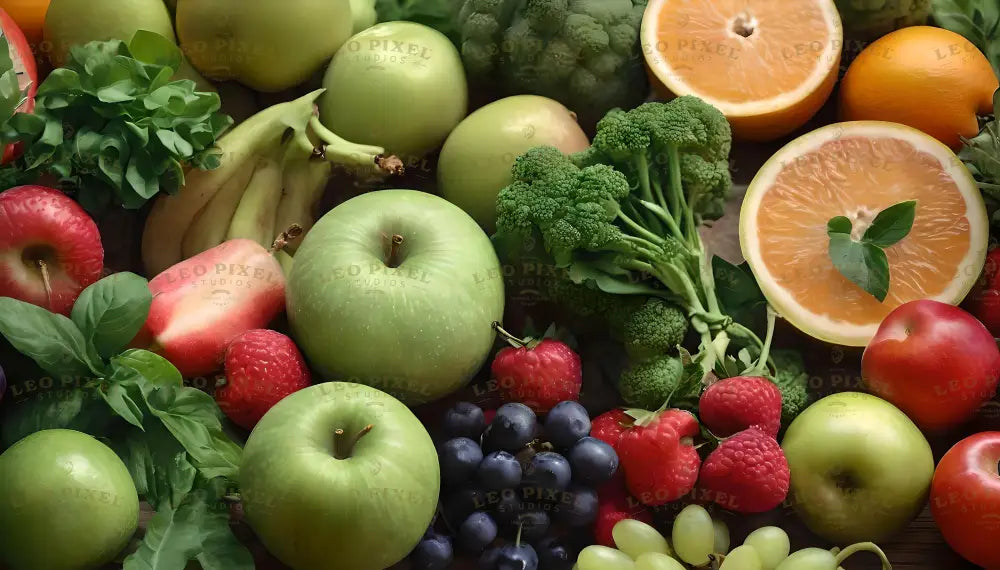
column 220, row 549
column 738, row 293
column 67, row 404
column 150, row 47
column 159, row 466
column 153, row 367
column 111, row 311
column 838, row 225
column 119, row 400
column 891, row 224
column 173, row 537
column 864, row 264
column 51, row 340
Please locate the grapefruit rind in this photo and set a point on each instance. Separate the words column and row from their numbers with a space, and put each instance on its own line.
column 823, row 327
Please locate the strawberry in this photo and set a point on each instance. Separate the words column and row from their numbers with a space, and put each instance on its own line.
column 747, row 473
column 262, row 367
column 984, row 300
column 609, row 426
column 734, row 404
column 660, row 462
column 537, row 373
column 614, row 504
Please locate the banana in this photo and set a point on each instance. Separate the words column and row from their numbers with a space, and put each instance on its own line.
column 304, row 186
column 254, row 217
column 212, row 223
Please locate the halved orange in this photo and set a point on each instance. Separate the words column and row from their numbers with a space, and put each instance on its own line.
column 768, row 65
column 857, row 169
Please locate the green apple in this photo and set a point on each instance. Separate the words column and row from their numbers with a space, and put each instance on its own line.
column 861, row 470
column 339, row 475
column 476, row 159
column 397, row 289
column 67, row 502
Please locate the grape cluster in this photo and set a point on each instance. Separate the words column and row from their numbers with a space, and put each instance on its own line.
column 515, row 478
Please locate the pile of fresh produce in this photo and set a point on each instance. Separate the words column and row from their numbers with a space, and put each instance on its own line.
column 499, row 284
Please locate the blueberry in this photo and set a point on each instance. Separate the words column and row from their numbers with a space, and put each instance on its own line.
column 488, row 561
column 553, row 554
column 567, row 423
column 511, row 429
column 578, row 507
column 477, row 532
column 507, row 506
column 460, row 458
column 534, row 525
column 517, row 557
column 593, row 461
column 548, row 470
column 464, row 419
column 499, row 470
column 434, row 552
column 461, row 503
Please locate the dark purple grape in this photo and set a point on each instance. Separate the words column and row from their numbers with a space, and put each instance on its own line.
column 512, row 428
column 434, row 552
column 566, row 424
column 517, row 557
column 579, row 506
column 499, row 470
column 593, row 461
column 459, row 458
column 464, row 419
column 478, row 531
column 461, row 503
column 553, row 554
column 548, row 470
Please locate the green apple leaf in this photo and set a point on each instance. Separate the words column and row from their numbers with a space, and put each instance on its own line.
column 111, row 311
column 51, row 340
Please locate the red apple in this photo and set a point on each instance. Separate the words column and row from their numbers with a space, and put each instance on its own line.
column 984, row 300
column 24, row 66
column 965, row 498
column 50, row 249
column 201, row 304
column 934, row 361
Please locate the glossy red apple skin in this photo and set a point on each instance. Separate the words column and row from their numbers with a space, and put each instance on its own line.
column 934, row 361
column 965, row 498
column 24, row 59
column 201, row 304
column 984, row 299
column 43, row 224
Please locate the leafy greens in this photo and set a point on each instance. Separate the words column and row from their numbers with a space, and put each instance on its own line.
column 977, row 20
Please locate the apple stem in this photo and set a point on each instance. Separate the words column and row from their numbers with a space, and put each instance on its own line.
column 343, row 445
column 392, row 258
column 511, row 339
column 864, row 546
column 46, row 283
column 286, row 237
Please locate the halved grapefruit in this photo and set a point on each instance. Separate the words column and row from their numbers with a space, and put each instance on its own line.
column 768, row 65
column 857, row 169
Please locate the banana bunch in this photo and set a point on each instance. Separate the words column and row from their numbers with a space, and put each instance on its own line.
column 274, row 169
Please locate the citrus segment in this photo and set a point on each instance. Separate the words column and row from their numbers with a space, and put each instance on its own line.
column 857, row 170
column 768, row 69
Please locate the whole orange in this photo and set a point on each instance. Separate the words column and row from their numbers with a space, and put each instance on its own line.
column 29, row 15
column 928, row 78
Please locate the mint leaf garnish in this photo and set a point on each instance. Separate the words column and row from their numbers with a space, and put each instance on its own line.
column 891, row 224
column 863, row 261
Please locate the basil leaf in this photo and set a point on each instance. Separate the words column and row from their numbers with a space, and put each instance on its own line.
column 118, row 400
column 159, row 466
column 75, row 408
column 220, row 549
column 173, row 537
column 891, row 224
column 111, row 311
column 51, row 340
column 838, row 225
column 153, row 367
column 864, row 264
column 738, row 293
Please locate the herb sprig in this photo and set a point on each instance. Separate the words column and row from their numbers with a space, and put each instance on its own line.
column 112, row 126
column 981, row 155
column 977, row 20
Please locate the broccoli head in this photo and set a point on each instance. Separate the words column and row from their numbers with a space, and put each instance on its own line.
column 582, row 53
column 648, row 384
column 655, row 329
column 793, row 381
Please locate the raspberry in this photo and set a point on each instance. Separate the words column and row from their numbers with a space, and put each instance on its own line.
column 609, row 426
column 614, row 504
column 734, row 404
column 660, row 462
column 747, row 473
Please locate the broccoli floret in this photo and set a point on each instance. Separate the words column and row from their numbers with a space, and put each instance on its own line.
column 648, row 384
column 656, row 328
column 793, row 381
column 583, row 53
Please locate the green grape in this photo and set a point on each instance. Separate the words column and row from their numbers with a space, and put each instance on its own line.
column 721, row 536
column 693, row 535
column 657, row 561
column 636, row 537
column 596, row 557
column 742, row 558
column 809, row 559
column 771, row 543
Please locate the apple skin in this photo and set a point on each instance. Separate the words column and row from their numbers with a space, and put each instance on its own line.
column 67, row 502
column 43, row 224
column 418, row 331
column 869, row 444
column 965, row 498
column 316, row 512
column 934, row 361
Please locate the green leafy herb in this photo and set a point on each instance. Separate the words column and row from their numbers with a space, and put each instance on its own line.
column 739, row 294
column 12, row 96
column 111, row 126
column 977, row 20
column 170, row 436
column 863, row 261
column 981, row 155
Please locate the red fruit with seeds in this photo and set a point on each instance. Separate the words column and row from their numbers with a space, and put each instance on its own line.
column 537, row 373
column 984, row 300
column 262, row 367
column 747, row 473
column 659, row 458
column 51, row 248
column 614, row 504
column 609, row 426
column 734, row 404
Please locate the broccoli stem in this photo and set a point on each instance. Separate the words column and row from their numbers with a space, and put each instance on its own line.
column 643, row 232
column 642, row 166
column 663, row 215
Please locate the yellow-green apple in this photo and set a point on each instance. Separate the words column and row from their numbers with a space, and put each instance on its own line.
column 934, row 361
column 67, row 502
column 339, row 475
column 397, row 289
column 50, row 249
column 202, row 303
column 860, row 469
